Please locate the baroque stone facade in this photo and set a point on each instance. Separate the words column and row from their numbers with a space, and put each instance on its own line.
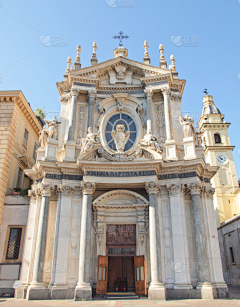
column 121, row 180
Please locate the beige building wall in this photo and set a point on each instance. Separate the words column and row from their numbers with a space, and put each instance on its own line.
column 16, row 115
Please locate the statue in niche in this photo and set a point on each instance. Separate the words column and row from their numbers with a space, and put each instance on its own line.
column 43, row 136
column 151, row 142
column 120, row 137
column 188, row 126
column 53, row 126
column 90, row 141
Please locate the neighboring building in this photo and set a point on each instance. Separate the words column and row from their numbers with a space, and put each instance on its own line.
column 229, row 239
column 19, row 132
column 109, row 199
column 218, row 152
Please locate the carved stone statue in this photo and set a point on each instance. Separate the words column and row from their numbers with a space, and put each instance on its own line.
column 120, row 137
column 53, row 126
column 43, row 136
column 90, row 141
column 151, row 142
column 188, row 126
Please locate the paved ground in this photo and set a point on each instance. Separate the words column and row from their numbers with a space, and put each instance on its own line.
column 234, row 301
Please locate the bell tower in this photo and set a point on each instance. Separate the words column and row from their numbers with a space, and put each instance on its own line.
column 218, row 152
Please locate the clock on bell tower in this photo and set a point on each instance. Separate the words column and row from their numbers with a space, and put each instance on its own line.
column 218, row 152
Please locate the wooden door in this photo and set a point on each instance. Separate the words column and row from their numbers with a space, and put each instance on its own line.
column 102, row 275
column 140, row 278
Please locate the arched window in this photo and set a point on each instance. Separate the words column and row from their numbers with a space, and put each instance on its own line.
column 217, row 138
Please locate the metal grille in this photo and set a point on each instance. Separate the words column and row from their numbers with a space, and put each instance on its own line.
column 14, row 243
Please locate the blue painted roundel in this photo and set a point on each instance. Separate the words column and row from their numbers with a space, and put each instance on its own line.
column 128, row 122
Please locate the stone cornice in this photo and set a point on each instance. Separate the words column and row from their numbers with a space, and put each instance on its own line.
column 218, row 148
column 18, row 98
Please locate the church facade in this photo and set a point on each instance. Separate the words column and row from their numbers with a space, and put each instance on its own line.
column 121, row 189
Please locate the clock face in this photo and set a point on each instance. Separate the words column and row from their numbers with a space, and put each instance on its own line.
column 222, row 159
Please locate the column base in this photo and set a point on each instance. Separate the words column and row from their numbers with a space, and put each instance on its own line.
column 157, row 292
column 37, row 291
column 171, row 150
column 206, row 290
column 59, row 292
column 220, row 290
column 183, row 286
column 21, row 292
column 83, row 291
column 189, row 148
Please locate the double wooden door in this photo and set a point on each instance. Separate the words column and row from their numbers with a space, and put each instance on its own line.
column 138, row 279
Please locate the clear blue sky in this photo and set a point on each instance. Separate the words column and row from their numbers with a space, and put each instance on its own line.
column 209, row 57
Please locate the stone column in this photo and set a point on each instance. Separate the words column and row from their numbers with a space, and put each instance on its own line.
column 216, row 271
column 83, row 289
column 59, row 289
column 37, row 289
column 92, row 97
column 180, row 263
column 170, row 144
column 200, row 242
column 157, row 290
column 149, row 97
column 73, row 115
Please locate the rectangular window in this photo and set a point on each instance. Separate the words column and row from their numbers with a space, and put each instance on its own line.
column 19, row 179
column 25, row 140
column 13, row 245
column 232, row 256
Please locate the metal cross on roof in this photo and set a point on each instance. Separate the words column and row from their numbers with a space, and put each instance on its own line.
column 205, row 91
column 121, row 37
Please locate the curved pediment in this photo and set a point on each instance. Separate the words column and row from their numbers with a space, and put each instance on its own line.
column 120, row 199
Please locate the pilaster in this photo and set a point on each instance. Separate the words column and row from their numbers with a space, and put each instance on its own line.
column 59, row 288
column 180, row 240
column 92, row 98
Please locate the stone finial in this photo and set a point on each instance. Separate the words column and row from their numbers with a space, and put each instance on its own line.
column 146, row 59
column 172, row 67
column 163, row 63
column 77, row 64
column 69, row 62
column 94, row 60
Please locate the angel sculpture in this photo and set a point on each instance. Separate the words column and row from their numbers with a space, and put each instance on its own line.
column 43, row 136
column 188, row 126
column 90, row 141
column 151, row 142
column 120, row 137
column 53, row 126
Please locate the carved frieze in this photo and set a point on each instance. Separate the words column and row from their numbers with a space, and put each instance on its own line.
column 81, row 124
column 121, row 234
column 160, row 123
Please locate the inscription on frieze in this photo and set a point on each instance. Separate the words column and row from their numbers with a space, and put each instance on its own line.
column 181, row 176
column 120, row 174
column 63, row 176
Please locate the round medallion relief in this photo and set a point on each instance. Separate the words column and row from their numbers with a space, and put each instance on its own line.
column 117, row 122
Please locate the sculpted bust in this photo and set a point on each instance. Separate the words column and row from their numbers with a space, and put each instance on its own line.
column 120, row 137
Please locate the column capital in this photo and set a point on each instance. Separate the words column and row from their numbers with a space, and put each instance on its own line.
column 32, row 194
column 210, row 191
column 88, row 187
column 45, row 190
column 195, row 188
column 166, row 90
column 175, row 189
column 92, row 94
column 148, row 92
column 74, row 91
column 65, row 190
column 152, row 187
